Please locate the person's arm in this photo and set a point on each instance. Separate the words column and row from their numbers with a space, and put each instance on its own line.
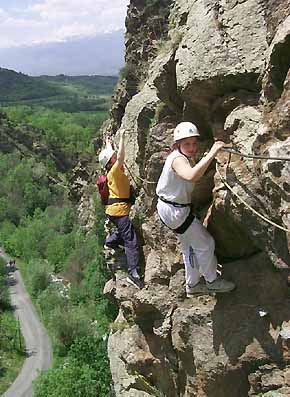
column 192, row 174
column 121, row 150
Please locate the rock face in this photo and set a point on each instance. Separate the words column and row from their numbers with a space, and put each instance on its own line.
column 223, row 65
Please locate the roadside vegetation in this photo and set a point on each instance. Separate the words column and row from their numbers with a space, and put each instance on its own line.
column 63, row 267
column 11, row 343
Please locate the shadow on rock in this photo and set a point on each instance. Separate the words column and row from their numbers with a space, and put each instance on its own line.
column 247, row 322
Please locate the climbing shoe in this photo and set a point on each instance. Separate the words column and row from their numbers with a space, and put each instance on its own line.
column 220, row 285
column 136, row 281
column 197, row 289
column 114, row 250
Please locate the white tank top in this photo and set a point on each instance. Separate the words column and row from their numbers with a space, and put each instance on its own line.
column 171, row 186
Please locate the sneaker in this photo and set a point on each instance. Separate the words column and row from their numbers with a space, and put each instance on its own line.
column 198, row 289
column 108, row 249
column 136, row 281
column 118, row 248
column 220, row 285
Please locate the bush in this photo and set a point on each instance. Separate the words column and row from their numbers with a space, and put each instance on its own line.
column 85, row 373
column 68, row 324
column 45, row 234
column 7, row 229
column 71, row 380
column 58, row 249
column 25, row 242
column 86, row 249
column 50, row 299
column 4, row 294
column 8, row 332
column 93, row 352
column 38, row 277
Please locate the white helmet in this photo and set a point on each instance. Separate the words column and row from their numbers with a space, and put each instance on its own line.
column 185, row 130
column 106, row 155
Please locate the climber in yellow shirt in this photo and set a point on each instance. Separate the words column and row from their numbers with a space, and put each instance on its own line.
column 118, row 208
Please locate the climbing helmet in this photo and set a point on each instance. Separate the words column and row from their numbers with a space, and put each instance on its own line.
column 185, row 130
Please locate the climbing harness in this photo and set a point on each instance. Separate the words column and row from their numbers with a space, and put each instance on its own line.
column 189, row 219
column 185, row 225
column 177, row 205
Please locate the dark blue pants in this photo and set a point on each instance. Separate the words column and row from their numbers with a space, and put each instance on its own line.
column 125, row 235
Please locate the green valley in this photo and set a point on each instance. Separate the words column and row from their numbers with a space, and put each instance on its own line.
column 47, row 125
column 67, row 93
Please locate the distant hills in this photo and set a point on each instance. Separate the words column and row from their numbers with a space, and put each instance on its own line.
column 63, row 92
column 99, row 55
column 18, row 86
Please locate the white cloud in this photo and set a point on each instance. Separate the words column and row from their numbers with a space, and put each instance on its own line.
column 2, row 15
column 60, row 20
column 74, row 30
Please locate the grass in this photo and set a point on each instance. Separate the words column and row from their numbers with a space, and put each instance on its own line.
column 12, row 353
column 11, row 361
column 14, row 360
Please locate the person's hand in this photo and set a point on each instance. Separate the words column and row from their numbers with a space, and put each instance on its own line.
column 217, row 146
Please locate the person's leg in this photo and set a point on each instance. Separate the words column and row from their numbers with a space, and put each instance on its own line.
column 114, row 240
column 128, row 235
column 192, row 274
column 203, row 247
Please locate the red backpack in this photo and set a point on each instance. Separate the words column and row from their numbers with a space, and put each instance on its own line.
column 102, row 183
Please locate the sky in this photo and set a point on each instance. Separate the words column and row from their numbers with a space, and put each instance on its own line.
column 35, row 22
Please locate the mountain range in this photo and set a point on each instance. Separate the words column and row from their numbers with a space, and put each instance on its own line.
column 102, row 54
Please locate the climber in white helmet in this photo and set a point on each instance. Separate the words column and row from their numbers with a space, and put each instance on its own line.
column 118, row 208
column 106, row 154
column 174, row 207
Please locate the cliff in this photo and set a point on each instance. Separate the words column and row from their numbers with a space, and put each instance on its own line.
column 223, row 65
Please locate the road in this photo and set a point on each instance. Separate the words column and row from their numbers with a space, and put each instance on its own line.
column 37, row 343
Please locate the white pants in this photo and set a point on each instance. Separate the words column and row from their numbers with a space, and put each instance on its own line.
column 196, row 243
column 198, row 254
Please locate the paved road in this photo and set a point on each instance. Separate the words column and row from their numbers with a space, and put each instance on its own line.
column 37, row 343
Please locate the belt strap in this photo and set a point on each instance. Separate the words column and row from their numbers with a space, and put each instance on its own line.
column 178, row 205
column 119, row 200
column 188, row 221
column 185, row 225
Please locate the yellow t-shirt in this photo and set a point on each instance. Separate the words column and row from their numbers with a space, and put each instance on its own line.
column 119, row 187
